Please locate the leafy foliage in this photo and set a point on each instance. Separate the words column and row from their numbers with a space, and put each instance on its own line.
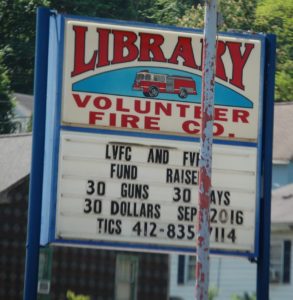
column 275, row 16
column 72, row 296
column 193, row 17
column 245, row 296
column 6, row 101
column 237, row 14
column 213, row 293
column 17, row 31
column 284, row 81
column 118, row 9
column 167, row 11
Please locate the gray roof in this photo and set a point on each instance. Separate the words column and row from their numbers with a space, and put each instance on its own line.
column 15, row 158
column 24, row 105
column 283, row 133
column 282, row 205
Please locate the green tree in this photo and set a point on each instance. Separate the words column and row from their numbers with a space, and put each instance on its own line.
column 236, row 14
column 115, row 9
column 72, row 296
column 17, row 31
column 212, row 293
column 245, row 296
column 6, row 101
column 168, row 11
column 275, row 16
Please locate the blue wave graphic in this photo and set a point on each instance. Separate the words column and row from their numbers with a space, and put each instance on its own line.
column 119, row 82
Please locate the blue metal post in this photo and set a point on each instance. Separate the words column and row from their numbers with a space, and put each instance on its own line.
column 263, row 264
column 36, row 176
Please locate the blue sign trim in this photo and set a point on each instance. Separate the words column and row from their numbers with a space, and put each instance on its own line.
column 138, row 246
column 263, row 264
column 260, row 144
column 156, row 136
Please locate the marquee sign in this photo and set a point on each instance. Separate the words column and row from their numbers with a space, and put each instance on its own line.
column 121, row 168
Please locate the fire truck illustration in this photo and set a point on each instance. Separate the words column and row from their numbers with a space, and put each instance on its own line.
column 151, row 84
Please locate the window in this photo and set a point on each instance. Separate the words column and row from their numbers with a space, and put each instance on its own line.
column 280, row 262
column 287, row 261
column 159, row 78
column 191, row 268
column 139, row 77
column 126, row 277
column 45, row 269
column 276, row 262
column 147, row 77
column 181, row 269
column 186, row 269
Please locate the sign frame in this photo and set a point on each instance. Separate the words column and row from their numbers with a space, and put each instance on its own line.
column 52, row 141
column 38, row 152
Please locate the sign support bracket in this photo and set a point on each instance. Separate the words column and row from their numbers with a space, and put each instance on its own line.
column 36, row 175
column 263, row 262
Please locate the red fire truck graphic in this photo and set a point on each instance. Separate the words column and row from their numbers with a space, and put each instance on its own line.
column 151, row 84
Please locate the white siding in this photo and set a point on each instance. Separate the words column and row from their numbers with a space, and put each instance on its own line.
column 232, row 275
column 283, row 291
column 228, row 274
column 184, row 291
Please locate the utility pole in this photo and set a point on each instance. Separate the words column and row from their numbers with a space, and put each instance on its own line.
column 206, row 141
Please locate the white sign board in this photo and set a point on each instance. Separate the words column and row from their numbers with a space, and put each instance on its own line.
column 127, row 139
column 146, row 192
